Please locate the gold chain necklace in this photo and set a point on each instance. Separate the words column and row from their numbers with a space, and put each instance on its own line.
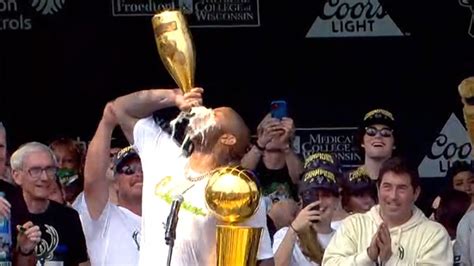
column 194, row 178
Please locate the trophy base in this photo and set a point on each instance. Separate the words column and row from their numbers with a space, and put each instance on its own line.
column 237, row 245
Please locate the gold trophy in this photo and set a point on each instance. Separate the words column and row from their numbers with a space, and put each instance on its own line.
column 233, row 196
column 175, row 47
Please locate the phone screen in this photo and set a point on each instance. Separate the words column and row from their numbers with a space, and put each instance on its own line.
column 279, row 109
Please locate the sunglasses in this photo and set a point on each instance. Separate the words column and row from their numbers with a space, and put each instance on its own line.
column 384, row 132
column 130, row 169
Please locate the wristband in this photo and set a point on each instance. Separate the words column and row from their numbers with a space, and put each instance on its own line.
column 259, row 147
column 292, row 228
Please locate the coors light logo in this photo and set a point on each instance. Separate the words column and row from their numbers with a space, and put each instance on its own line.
column 353, row 18
column 452, row 144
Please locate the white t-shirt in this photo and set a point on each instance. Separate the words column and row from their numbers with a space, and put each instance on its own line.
column 77, row 204
column 163, row 168
column 114, row 238
column 298, row 258
column 336, row 224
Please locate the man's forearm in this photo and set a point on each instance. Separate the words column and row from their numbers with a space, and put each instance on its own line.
column 132, row 107
column 284, row 253
column 21, row 259
column 294, row 164
column 251, row 158
column 96, row 186
column 143, row 103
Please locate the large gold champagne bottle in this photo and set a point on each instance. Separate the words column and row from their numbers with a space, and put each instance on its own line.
column 175, row 47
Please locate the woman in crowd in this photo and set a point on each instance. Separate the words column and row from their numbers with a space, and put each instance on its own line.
column 277, row 167
column 460, row 177
column 453, row 205
column 276, row 164
column 304, row 240
column 358, row 191
column 70, row 160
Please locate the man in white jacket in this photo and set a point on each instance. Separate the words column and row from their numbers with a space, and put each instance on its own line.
column 463, row 247
column 394, row 232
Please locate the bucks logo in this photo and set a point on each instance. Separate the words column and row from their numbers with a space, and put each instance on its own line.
column 48, row 7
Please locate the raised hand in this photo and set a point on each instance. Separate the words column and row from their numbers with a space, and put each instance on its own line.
column 4, row 207
column 306, row 217
column 29, row 235
column 268, row 129
column 384, row 243
column 186, row 101
column 381, row 245
column 325, row 218
column 285, row 131
column 373, row 250
column 288, row 128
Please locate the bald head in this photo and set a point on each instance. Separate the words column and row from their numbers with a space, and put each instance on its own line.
column 228, row 139
column 231, row 122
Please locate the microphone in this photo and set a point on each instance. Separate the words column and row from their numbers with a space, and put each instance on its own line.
column 172, row 221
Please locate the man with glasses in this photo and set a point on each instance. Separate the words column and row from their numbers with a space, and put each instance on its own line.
column 34, row 168
column 377, row 140
column 112, row 230
column 117, row 143
column 13, row 206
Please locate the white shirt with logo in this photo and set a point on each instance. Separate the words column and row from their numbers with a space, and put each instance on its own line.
column 114, row 238
column 163, row 166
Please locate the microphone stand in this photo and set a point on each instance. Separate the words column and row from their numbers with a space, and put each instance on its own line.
column 170, row 229
column 170, row 252
column 169, row 239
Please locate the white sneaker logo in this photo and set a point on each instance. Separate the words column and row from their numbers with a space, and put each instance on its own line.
column 353, row 18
